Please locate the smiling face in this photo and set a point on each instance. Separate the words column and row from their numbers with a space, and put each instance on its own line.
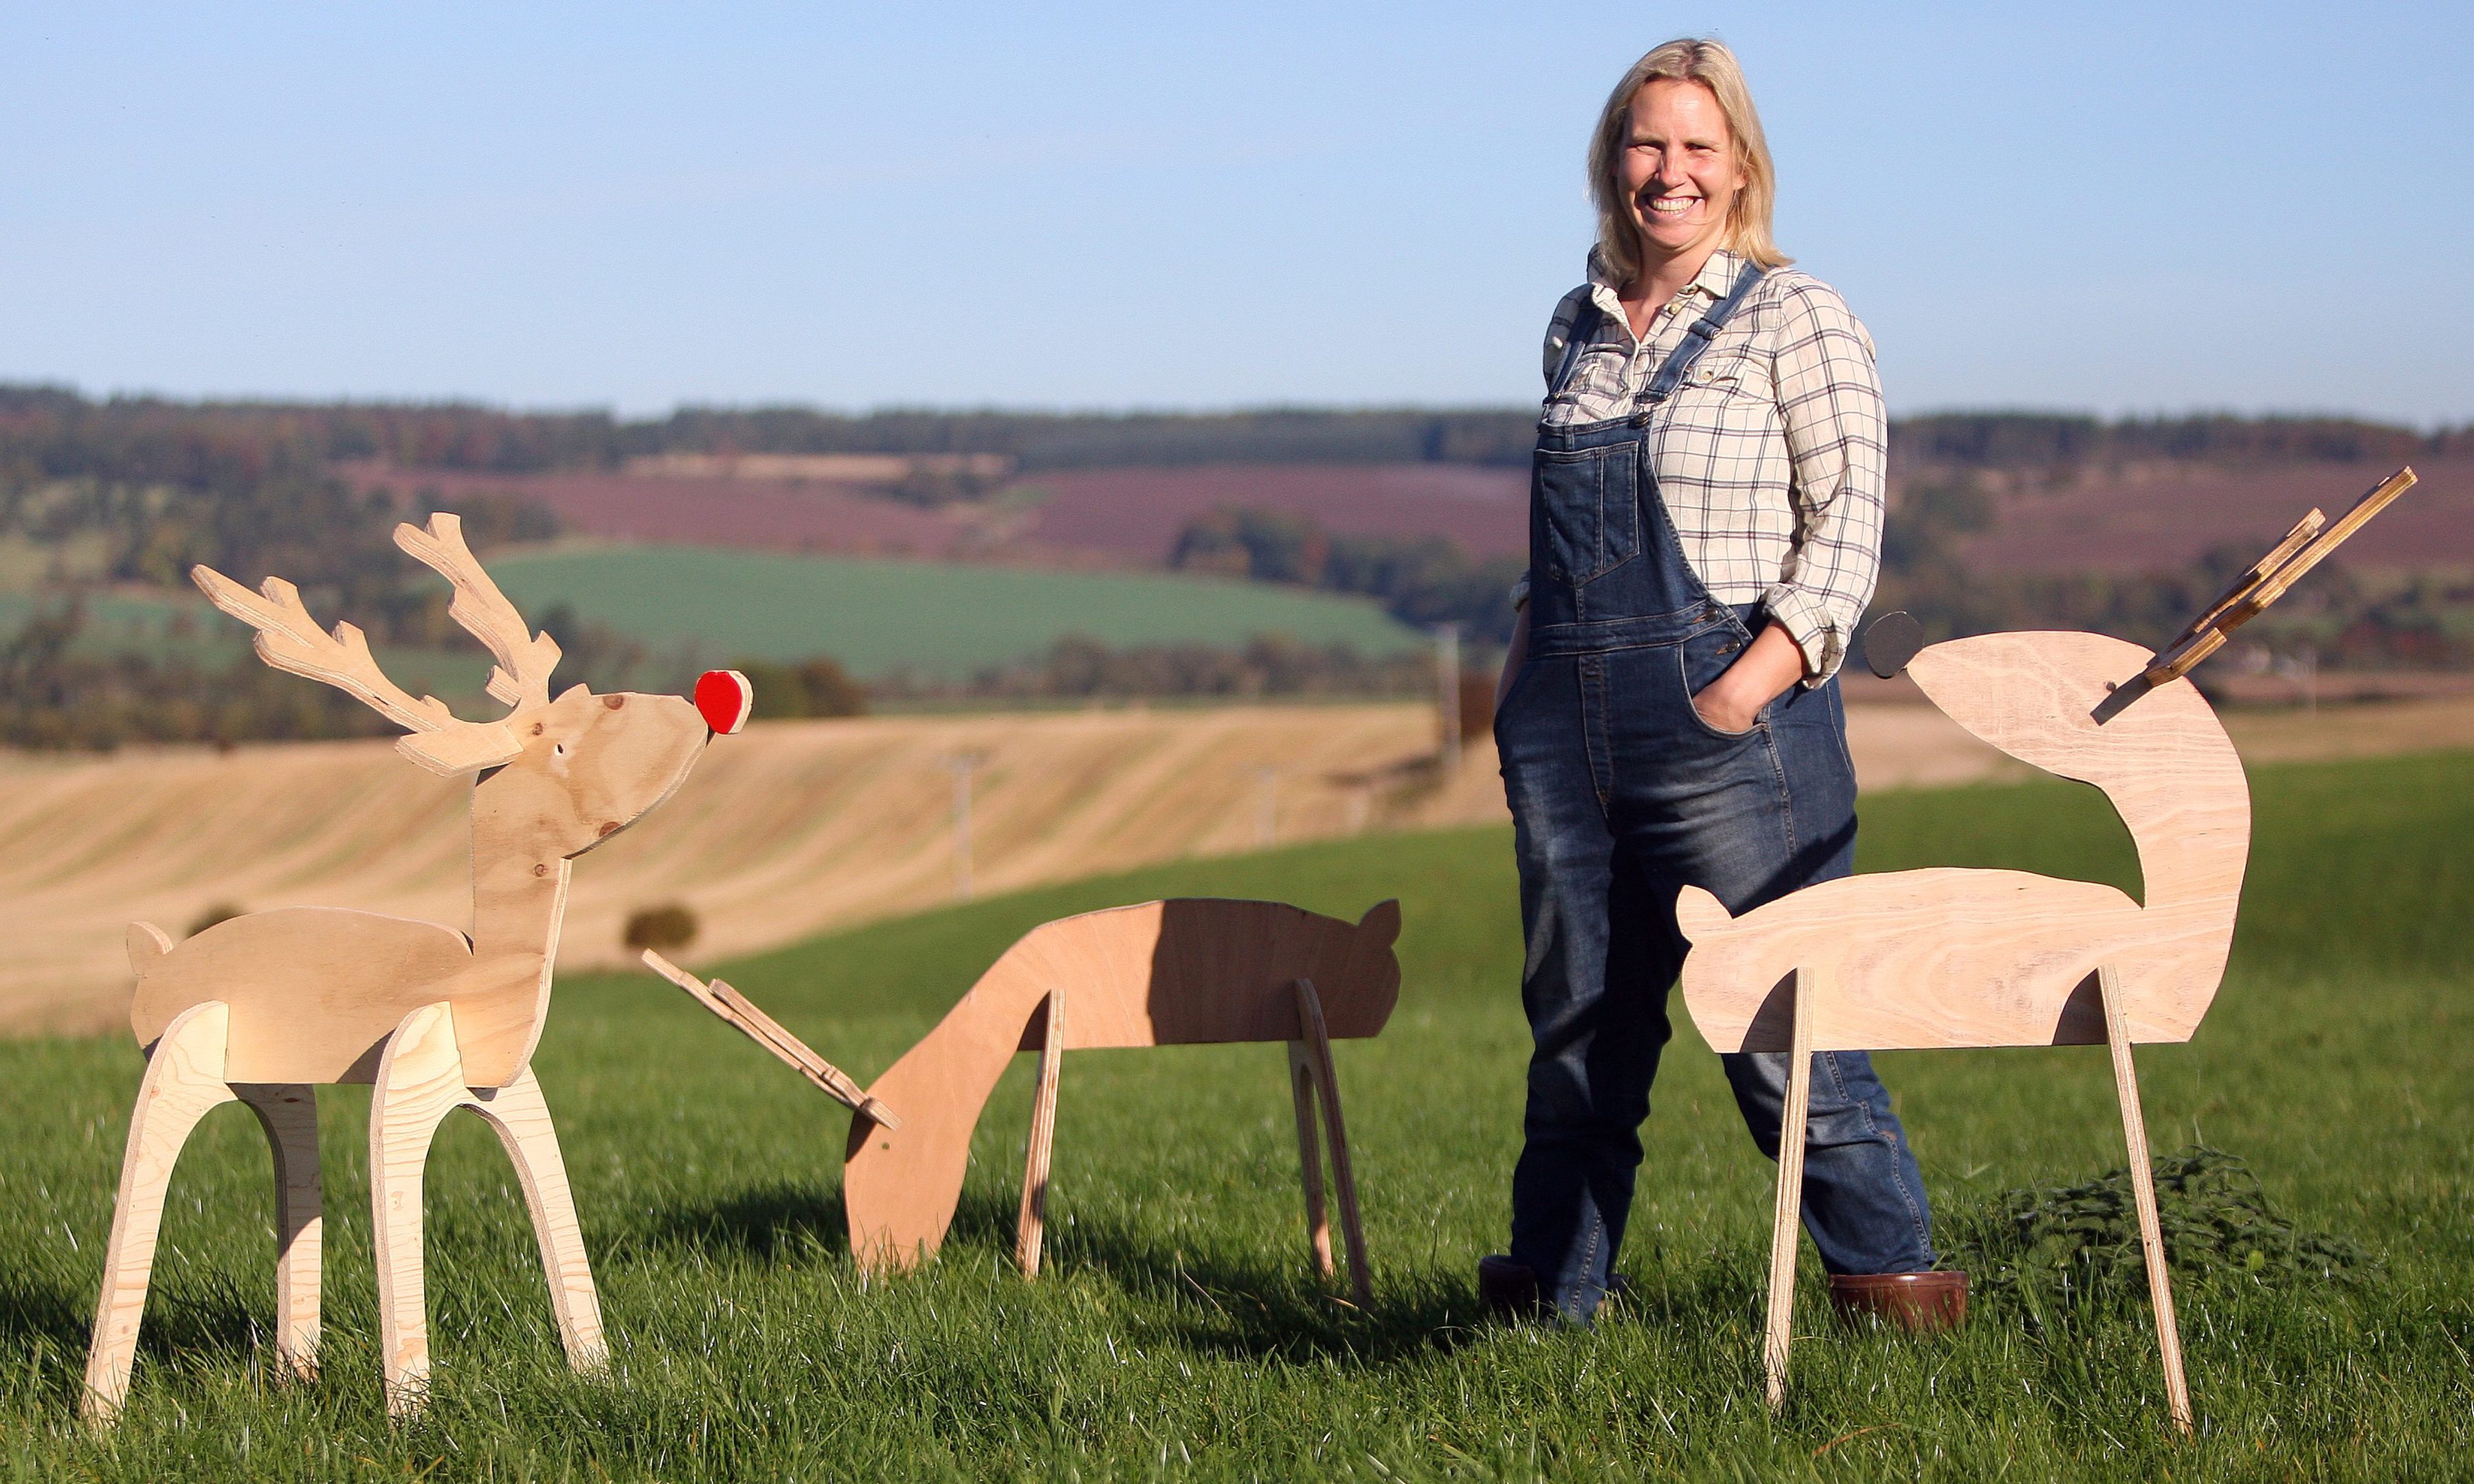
column 1679, row 170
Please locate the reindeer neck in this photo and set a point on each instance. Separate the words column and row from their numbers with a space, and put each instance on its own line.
column 519, row 892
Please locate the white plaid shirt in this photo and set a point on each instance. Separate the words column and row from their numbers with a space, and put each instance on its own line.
column 1772, row 457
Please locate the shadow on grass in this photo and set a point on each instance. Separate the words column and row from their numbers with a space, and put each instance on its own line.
column 1266, row 1304
column 32, row 1313
column 204, row 1323
column 779, row 1222
column 1240, row 1304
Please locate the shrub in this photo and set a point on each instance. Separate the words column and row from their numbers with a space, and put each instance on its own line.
column 664, row 929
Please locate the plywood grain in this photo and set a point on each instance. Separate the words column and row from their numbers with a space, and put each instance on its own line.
column 1949, row 957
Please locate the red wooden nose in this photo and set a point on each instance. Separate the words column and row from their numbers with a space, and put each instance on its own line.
column 725, row 698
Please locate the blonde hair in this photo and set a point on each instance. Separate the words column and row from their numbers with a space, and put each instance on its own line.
column 1708, row 62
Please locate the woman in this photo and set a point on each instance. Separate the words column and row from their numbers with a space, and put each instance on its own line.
column 1704, row 528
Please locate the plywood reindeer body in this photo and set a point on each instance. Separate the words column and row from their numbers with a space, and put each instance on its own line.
column 265, row 1007
column 1944, row 957
column 1180, row 972
column 1949, row 957
column 2004, row 958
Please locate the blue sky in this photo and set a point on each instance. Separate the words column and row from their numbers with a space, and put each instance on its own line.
column 2115, row 208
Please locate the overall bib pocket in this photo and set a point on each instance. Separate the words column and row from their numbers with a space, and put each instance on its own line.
column 1590, row 499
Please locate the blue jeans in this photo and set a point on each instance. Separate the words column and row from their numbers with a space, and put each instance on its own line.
column 1619, row 793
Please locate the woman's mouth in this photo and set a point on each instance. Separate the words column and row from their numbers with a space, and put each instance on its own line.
column 1673, row 205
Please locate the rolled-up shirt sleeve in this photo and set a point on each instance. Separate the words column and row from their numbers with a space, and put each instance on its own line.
column 1837, row 438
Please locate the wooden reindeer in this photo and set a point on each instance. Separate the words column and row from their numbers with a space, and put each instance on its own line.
column 1946, row 957
column 264, row 1007
column 1180, row 972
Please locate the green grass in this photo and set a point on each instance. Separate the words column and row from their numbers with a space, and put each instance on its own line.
column 180, row 624
column 1175, row 1331
column 940, row 618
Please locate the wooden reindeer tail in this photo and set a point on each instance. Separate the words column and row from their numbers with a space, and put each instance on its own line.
column 1703, row 918
column 147, row 943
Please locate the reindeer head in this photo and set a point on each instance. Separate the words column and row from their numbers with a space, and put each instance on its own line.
column 576, row 770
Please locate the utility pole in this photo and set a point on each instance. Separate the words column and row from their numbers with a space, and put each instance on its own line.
column 1448, row 693
column 2303, row 669
column 961, row 766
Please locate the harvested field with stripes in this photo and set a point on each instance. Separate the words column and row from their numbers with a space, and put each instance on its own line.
column 799, row 827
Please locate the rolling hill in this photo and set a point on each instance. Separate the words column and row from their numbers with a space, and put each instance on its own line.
column 799, row 827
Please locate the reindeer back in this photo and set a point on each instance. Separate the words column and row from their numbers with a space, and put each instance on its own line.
column 1195, row 970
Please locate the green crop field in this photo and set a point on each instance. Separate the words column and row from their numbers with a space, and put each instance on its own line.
column 939, row 618
column 1175, row 1331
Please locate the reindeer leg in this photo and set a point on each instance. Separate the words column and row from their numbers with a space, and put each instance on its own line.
column 184, row 1079
column 288, row 1111
column 419, row 1081
column 1343, row 1180
column 1787, row 1214
column 524, row 1124
column 1302, row 1089
column 2143, row 1190
column 1031, row 1228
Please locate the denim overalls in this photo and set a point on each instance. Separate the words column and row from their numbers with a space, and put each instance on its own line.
column 1620, row 792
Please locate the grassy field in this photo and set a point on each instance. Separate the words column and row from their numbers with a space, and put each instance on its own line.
column 940, row 618
column 937, row 619
column 1176, row 1331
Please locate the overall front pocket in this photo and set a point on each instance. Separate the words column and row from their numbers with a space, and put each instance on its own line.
column 1590, row 500
column 1702, row 660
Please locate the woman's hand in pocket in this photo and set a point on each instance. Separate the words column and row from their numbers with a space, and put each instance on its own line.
column 1761, row 675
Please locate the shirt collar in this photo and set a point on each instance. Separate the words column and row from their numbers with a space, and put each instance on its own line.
column 1716, row 276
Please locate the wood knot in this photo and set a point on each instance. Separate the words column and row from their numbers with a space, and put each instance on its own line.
column 539, row 727
column 614, row 703
column 609, row 828
column 542, row 869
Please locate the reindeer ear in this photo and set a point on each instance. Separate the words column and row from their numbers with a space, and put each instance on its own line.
column 579, row 689
column 1383, row 920
column 460, row 750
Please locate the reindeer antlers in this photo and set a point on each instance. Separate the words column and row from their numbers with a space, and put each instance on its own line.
column 2250, row 593
column 521, row 678
column 290, row 640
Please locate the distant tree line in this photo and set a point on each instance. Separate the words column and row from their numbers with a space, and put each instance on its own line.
column 53, row 433
column 59, row 690
column 2426, row 623
column 140, row 490
column 1422, row 580
column 56, row 695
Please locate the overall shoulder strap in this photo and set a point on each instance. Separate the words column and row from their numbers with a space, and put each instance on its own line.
column 1584, row 329
column 1697, row 339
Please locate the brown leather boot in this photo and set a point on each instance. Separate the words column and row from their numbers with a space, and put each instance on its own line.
column 1918, row 1302
column 1507, row 1288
